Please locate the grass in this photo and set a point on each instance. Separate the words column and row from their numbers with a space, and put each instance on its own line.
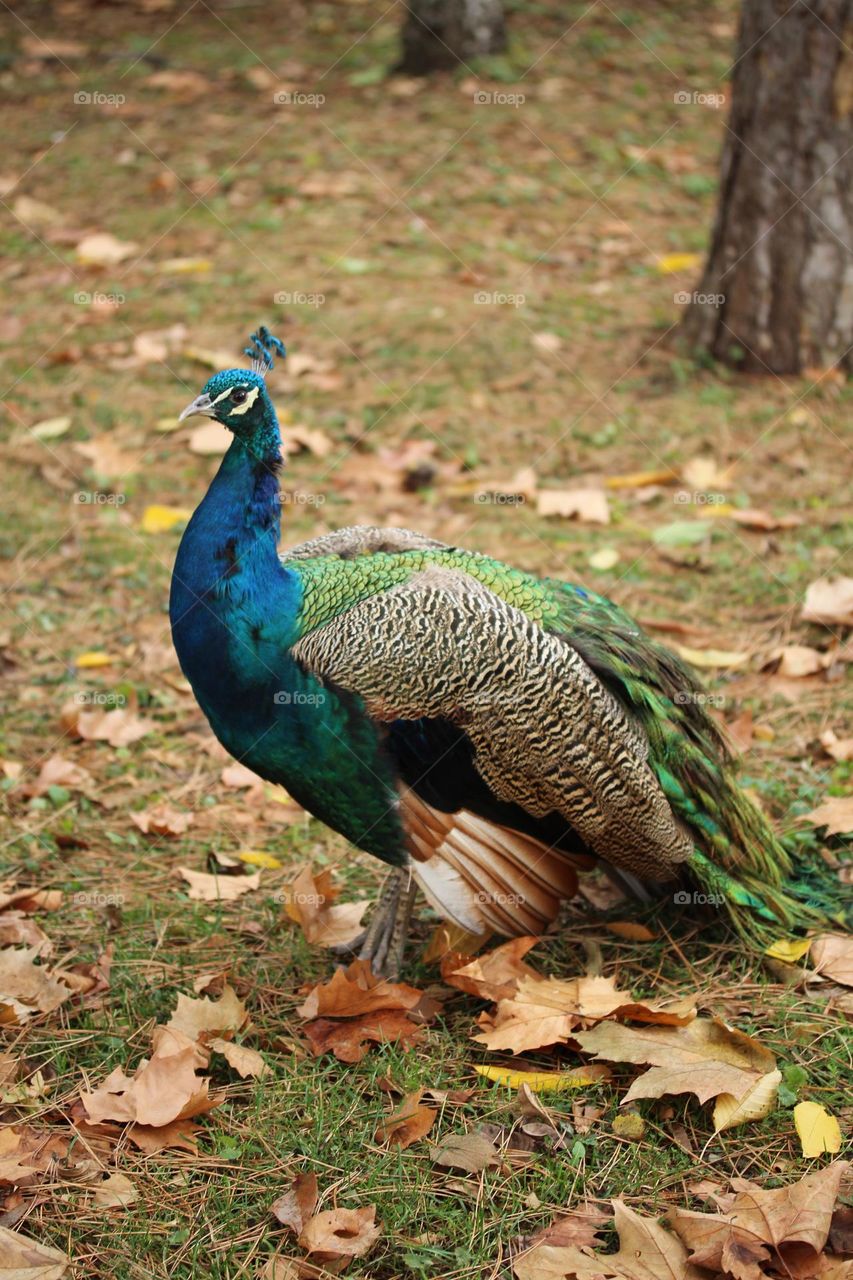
column 421, row 200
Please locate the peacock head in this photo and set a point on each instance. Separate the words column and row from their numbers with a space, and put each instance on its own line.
column 238, row 398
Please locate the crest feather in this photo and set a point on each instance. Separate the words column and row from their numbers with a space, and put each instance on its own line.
column 260, row 351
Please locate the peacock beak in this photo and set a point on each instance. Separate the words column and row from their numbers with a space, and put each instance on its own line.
column 202, row 404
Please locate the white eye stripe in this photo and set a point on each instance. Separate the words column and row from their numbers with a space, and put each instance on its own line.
column 247, row 403
column 222, row 395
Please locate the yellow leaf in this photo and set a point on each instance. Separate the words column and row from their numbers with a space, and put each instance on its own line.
column 788, row 950
column 712, row 657
column 544, row 1081
column 817, row 1129
column 257, row 858
column 185, row 266
column 50, row 428
column 670, row 263
column 639, row 479
column 94, row 659
column 755, row 1104
column 157, row 519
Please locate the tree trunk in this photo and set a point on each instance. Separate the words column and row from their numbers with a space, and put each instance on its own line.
column 777, row 293
column 440, row 35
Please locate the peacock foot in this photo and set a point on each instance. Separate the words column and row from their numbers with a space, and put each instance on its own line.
column 385, row 940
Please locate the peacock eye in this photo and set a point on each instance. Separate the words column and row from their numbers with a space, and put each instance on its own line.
column 238, row 396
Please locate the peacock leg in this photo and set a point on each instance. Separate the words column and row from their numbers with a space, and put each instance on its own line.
column 385, row 939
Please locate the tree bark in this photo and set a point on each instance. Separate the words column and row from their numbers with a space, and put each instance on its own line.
column 777, row 292
column 439, row 35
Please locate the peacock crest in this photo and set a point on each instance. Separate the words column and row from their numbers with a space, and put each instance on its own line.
column 262, row 345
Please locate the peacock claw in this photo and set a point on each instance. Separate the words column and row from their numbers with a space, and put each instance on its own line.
column 385, row 940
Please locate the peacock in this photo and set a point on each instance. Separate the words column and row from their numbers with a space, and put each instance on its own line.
column 486, row 732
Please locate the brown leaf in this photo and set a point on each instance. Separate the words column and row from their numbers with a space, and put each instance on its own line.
column 493, row 976
column 200, row 1019
column 178, row 1135
column 294, row 1208
column 830, row 601
column 753, row 518
column 245, row 1061
column 704, row 1057
column 839, row 748
column 309, row 901
column 588, row 505
column 162, row 820
column 106, row 458
column 794, row 661
column 209, row 888
column 31, row 900
column 119, row 726
column 646, row 1252
column 17, row 929
column 578, row 1227
column 341, row 1233
column 836, row 814
column 103, row 250
column 356, row 990
column 24, row 1259
column 832, row 956
column 469, row 1152
column 57, row 772
column 409, row 1123
column 26, row 987
column 163, row 1088
column 789, row 1222
column 115, row 1192
column 238, row 776
column 350, row 1038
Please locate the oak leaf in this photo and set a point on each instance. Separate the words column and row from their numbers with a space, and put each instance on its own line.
column 350, row 1038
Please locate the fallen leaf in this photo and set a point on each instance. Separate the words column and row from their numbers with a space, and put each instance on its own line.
column 17, row 929
column 606, row 558
column 350, row 1038
column 35, row 213
column 758, row 1101
column 50, row 428
column 295, row 1207
column 31, row 899
column 468, row 1152
column 159, row 519
column 546, row 1081
column 309, row 902
column 839, row 748
column 178, row 1135
column 549, row 342
column 830, row 601
column 795, row 661
column 258, row 858
column 753, row 518
column 835, row 813
column 631, row 930
column 199, row 1019
column 408, row 1124
column 236, row 775
column 356, row 990
column 819, row 1132
column 211, row 888
column 588, row 505
column 788, row 950
column 58, row 772
column 161, row 820
column 27, row 988
column 104, row 250
column 492, row 976
column 723, row 659
column 705, row 1057
column 106, row 458
column 337, row 1234
column 629, row 1125
column 791, row 1222
column 24, row 1259
column 119, row 726
column 832, row 957
column 704, row 474
column 245, row 1061
column 641, row 479
column 163, row 1088
column 646, row 1252
column 92, row 659
column 671, row 263
column 115, row 1192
